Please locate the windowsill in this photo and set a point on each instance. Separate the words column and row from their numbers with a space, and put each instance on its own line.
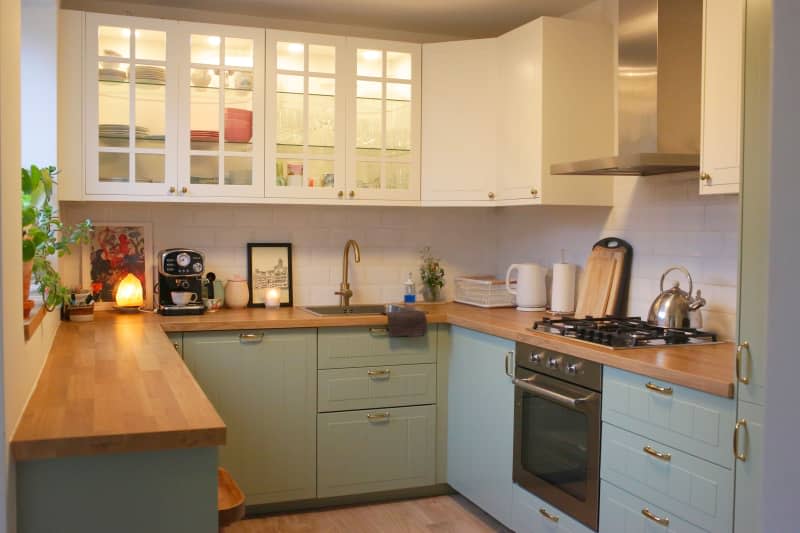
column 34, row 320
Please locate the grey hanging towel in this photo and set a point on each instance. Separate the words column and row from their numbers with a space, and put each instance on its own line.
column 407, row 323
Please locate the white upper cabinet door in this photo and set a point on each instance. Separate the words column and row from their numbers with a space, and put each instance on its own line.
column 306, row 115
column 222, row 111
column 130, row 119
column 459, row 133
column 383, row 145
column 723, row 53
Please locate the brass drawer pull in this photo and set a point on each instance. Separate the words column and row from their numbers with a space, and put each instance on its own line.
column 385, row 373
column 742, row 423
column 509, row 364
column 251, row 338
column 378, row 417
column 659, row 389
column 549, row 516
column 662, row 520
column 658, row 455
column 379, row 332
column 739, row 362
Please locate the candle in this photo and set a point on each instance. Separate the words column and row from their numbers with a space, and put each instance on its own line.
column 272, row 298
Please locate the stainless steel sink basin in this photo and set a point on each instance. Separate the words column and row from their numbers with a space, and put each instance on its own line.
column 366, row 309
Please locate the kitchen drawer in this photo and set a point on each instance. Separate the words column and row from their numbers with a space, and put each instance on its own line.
column 527, row 516
column 344, row 389
column 349, row 347
column 691, row 421
column 622, row 512
column 375, row 450
column 695, row 490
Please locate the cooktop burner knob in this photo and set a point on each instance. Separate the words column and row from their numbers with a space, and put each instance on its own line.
column 536, row 358
column 574, row 368
column 554, row 363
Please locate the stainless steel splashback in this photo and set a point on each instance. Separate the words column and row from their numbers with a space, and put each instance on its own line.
column 658, row 91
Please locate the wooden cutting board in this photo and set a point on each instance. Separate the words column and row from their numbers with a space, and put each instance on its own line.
column 602, row 279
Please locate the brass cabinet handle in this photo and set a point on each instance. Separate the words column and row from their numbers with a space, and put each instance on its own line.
column 509, row 364
column 667, row 391
column 385, row 373
column 379, row 332
column 491, row 196
column 549, row 516
column 658, row 455
column 340, row 194
column 352, row 194
column 184, row 190
column 251, row 338
column 741, row 423
column 534, row 193
column 176, row 346
column 705, row 176
column 663, row 520
column 378, row 417
column 739, row 361
column 172, row 190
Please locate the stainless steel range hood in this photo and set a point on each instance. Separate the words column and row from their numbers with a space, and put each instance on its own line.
column 658, row 91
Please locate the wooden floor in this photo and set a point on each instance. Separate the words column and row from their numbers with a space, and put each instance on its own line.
column 441, row 514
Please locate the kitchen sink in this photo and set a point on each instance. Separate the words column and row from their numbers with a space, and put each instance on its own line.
column 364, row 309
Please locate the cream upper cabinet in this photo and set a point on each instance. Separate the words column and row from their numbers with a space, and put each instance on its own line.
column 556, row 104
column 460, row 90
column 221, row 150
column 306, row 115
column 723, row 60
column 383, row 120
column 131, row 92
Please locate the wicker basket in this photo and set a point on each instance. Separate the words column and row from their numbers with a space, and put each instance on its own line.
column 483, row 291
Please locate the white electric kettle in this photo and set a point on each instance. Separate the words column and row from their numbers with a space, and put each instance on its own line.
column 531, row 291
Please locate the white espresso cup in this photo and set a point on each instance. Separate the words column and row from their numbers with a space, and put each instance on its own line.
column 183, row 297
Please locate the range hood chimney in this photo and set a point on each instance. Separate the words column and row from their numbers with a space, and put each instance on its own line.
column 658, row 91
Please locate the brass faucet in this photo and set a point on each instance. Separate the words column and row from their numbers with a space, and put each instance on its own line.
column 344, row 291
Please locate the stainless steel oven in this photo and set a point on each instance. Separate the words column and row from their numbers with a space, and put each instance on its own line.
column 557, row 430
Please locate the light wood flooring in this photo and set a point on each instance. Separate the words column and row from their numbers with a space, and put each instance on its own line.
column 440, row 514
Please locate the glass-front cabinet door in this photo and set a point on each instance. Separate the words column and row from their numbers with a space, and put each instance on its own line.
column 384, row 133
column 221, row 98
column 131, row 88
column 306, row 115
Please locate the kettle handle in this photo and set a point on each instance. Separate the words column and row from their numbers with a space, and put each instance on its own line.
column 508, row 279
column 682, row 269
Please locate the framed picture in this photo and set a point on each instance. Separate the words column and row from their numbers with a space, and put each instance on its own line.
column 269, row 265
column 114, row 251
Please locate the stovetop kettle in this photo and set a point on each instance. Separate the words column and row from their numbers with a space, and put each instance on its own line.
column 672, row 308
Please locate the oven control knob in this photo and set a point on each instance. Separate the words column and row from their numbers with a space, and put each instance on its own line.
column 554, row 363
column 536, row 358
column 574, row 368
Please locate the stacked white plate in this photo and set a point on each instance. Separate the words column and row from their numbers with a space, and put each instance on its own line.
column 150, row 74
column 112, row 74
column 120, row 131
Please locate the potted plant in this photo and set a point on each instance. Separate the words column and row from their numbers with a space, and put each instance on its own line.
column 432, row 275
column 43, row 236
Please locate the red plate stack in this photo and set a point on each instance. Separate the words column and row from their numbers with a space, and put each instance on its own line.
column 204, row 136
column 238, row 125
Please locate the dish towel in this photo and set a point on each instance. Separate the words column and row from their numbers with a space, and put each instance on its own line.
column 407, row 323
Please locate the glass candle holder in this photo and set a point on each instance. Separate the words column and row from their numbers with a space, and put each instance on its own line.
column 272, row 298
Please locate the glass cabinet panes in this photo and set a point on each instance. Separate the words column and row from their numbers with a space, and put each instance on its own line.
column 384, row 151
column 308, row 122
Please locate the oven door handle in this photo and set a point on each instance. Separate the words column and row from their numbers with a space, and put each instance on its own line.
column 527, row 384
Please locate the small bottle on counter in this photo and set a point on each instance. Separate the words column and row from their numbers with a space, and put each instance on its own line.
column 410, row 295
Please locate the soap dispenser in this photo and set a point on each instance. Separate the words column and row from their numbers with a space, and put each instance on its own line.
column 410, row 295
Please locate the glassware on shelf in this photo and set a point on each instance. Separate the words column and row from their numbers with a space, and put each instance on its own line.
column 368, row 175
column 238, row 171
column 113, row 167
column 149, row 168
column 204, row 170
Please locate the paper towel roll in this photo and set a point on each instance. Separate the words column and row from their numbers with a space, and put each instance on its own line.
column 563, row 300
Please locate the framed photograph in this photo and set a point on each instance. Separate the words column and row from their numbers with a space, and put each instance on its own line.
column 114, row 251
column 269, row 265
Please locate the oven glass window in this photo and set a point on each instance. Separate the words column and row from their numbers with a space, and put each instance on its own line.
column 554, row 445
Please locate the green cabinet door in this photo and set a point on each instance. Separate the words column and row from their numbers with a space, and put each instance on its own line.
column 264, row 385
column 749, row 469
column 480, row 421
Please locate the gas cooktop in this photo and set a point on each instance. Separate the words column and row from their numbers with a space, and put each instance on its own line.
column 622, row 332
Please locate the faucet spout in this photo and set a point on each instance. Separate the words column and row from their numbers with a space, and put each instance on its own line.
column 344, row 292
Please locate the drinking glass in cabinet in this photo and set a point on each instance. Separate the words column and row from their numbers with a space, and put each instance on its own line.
column 205, row 49
column 368, row 175
column 397, row 175
column 204, row 170
column 114, row 42
column 113, row 167
column 149, row 168
column 151, row 45
column 398, row 65
column 369, row 63
column 238, row 171
column 398, row 125
column 290, row 56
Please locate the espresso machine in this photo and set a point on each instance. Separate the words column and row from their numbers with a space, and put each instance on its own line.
column 180, row 271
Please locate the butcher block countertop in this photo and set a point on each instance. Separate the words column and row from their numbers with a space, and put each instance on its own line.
column 117, row 385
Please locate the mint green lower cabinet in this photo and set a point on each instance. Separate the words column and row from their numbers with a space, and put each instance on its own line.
column 695, row 490
column 342, row 389
column 359, row 347
column 264, row 386
column 376, row 450
column 480, row 421
column 749, row 473
column 527, row 516
column 622, row 512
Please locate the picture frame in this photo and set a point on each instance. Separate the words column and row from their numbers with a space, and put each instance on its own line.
column 106, row 259
column 269, row 265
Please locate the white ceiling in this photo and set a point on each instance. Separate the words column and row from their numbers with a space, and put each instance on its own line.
column 458, row 18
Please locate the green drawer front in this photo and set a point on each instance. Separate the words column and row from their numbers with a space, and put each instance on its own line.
column 689, row 420
column 357, row 454
column 621, row 512
column 349, row 347
column 345, row 389
column 698, row 491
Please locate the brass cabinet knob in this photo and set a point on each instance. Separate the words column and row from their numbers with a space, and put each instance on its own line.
column 705, row 176
column 172, row 190
column 340, row 194
column 534, row 192
column 491, row 196
column 351, row 194
column 184, row 190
